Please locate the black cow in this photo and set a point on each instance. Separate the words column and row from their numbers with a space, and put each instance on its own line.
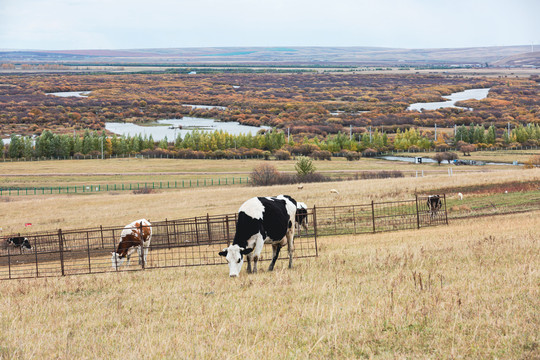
column 301, row 216
column 261, row 220
column 19, row 242
column 434, row 204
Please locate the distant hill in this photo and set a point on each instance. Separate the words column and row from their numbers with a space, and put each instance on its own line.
column 274, row 55
column 529, row 59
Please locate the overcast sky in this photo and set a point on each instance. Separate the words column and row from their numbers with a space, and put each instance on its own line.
column 129, row 24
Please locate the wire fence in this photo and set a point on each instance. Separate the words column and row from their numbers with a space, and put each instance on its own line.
column 80, row 189
column 196, row 241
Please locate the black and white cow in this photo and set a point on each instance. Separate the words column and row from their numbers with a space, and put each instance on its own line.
column 301, row 216
column 261, row 220
column 19, row 242
column 434, row 204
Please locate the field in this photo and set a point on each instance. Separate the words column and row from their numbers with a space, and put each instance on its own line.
column 467, row 290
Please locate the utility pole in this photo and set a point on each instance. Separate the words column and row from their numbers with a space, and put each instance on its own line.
column 288, row 135
column 102, row 148
column 350, row 132
column 370, row 134
column 435, row 132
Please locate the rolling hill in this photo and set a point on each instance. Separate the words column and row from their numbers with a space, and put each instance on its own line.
column 280, row 55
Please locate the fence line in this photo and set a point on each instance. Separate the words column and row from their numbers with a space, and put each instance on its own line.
column 77, row 189
column 196, row 241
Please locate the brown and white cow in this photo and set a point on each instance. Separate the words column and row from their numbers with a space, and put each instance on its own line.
column 134, row 237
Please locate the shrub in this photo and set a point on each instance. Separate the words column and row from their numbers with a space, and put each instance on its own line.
column 467, row 149
column 369, row 152
column 264, row 175
column 449, row 156
column 351, row 155
column 321, row 155
column 282, row 155
column 438, row 157
column 304, row 166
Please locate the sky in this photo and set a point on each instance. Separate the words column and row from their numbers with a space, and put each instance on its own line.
column 132, row 24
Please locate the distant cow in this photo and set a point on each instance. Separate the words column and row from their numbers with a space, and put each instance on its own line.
column 434, row 204
column 134, row 237
column 261, row 220
column 301, row 216
column 19, row 242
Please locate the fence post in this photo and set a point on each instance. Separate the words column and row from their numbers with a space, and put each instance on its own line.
column 417, row 212
column 61, row 248
column 9, row 261
column 101, row 231
column 315, row 229
column 373, row 214
column 208, row 227
column 168, row 235
column 114, row 251
column 88, row 248
column 227, row 227
column 354, row 219
column 197, row 230
column 35, row 252
column 445, row 212
column 141, row 256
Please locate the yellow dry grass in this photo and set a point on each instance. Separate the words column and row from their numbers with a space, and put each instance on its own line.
column 469, row 290
column 118, row 209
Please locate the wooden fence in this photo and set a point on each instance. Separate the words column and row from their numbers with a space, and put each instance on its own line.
column 196, row 241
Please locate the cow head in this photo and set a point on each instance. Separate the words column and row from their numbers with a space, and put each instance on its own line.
column 235, row 258
column 117, row 260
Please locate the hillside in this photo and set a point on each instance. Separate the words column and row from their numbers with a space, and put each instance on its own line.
column 529, row 59
column 273, row 55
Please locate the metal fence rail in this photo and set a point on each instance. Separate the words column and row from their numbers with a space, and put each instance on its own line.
column 185, row 242
column 379, row 217
column 80, row 189
column 196, row 241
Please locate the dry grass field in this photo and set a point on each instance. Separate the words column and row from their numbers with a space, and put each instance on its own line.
column 467, row 290
column 132, row 170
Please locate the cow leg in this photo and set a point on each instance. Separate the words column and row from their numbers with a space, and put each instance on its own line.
column 248, row 258
column 255, row 259
column 290, row 247
column 275, row 253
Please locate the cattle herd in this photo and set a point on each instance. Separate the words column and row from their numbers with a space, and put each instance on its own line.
column 261, row 220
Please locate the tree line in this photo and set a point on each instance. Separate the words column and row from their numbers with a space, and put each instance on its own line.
column 220, row 144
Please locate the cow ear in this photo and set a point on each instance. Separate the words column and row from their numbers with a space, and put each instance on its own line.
column 223, row 252
column 246, row 251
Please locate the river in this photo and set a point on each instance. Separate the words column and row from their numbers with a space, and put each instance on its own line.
column 477, row 94
column 187, row 124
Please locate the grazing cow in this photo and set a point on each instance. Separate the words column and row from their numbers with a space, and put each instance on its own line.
column 301, row 216
column 132, row 240
column 19, row 242
column 261, row 220
column 460, row 196
column 434, row 204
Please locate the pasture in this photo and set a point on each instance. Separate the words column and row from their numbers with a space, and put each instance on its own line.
column 469, row 290
column 466, row 290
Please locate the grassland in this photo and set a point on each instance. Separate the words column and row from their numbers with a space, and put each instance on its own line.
column 135, row 170
column 467, row 290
